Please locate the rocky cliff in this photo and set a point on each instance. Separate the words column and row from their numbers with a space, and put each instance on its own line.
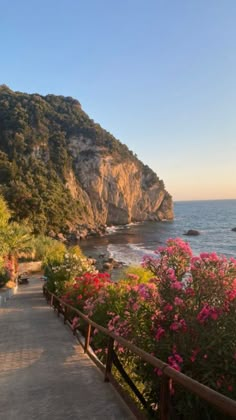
column 62, row 172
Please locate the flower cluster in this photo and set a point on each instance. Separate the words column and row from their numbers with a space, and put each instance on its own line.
column 85, row 288
column 184, row 315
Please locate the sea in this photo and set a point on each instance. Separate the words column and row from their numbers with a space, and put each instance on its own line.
column 214, row 219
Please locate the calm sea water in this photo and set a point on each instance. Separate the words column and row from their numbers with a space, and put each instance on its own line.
column 213, row 219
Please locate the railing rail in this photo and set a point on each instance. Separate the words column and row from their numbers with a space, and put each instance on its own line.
column 220, row 401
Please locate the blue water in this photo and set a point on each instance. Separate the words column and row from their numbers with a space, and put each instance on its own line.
column 213, row 219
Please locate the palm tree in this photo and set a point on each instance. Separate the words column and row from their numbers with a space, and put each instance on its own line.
column 14, row 238
column 18, row 239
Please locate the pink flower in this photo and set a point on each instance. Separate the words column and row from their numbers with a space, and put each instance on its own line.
column 160, row 333
column 178, row 358
column 206, row 313
column 158, row 371
column 168, row 307
column 173, row 363
column 175, row 326
column 183, row 325
column 189, row 291
column 75, row 322
column 194, row 354
column 178, row 301
column 178, row 325
column 135, row 306
column 171, row 274
column 176, row 285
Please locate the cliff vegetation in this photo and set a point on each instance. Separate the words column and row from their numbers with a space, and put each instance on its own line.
column 62, row 172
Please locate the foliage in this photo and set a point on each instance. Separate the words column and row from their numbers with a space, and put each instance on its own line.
column 4, row 217
column 137, row 274
column 35, row 158
column 19, row 238
column 48, row 250
column 5, row 275
column 61, row 272
column 184, row 315
column 4, row 213
column 14, row 238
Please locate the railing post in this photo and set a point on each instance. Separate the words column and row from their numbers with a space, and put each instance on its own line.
column 109, row 359
column 165, row 398
column 51, row 302
column 65, row 314
column 87, row 338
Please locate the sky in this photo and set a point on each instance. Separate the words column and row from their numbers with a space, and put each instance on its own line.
column 160, row 75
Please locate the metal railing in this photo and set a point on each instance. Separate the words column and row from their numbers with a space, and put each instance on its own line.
column 217, row 400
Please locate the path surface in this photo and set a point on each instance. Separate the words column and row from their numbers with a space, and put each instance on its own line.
column 44, row 374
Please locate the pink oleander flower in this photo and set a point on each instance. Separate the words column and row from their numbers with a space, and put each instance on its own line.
column 174, row 361
column 135, row 307
column 168, row 307
column 206, row 313
column 160, row 333
column 178, row 325
column 176, row 285
column 171, row 274
column 189, row 291
column 178, row 301
column 194, row 355
column 75, row 322
column 175, row 326
column 158, row 371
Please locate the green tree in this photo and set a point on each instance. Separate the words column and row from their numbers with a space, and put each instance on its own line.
column 19, row 240
column 4, row 218
column 4, row 213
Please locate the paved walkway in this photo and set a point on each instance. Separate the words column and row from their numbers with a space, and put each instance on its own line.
column 44, row 374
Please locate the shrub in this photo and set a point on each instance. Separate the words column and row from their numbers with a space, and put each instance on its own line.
column 184, row 315
column 4, row 276
column 62, row 272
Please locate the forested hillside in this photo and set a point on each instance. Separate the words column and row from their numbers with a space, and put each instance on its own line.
column 55, row 163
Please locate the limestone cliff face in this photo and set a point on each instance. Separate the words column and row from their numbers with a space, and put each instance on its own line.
column 118, row 192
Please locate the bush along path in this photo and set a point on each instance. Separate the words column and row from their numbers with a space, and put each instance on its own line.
column 178, row 308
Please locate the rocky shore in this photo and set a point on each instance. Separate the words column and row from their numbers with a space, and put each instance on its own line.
column 104, row 263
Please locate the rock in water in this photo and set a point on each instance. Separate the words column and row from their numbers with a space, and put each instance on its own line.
column 192, row 232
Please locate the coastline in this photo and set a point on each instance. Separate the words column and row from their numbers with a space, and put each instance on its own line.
column 214, row 219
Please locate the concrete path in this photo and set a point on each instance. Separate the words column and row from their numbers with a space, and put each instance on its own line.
column 44, row 374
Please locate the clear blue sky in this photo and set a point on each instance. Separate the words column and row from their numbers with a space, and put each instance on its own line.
column 158, row 74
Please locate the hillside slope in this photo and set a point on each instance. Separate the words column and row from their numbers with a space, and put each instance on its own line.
column 61, row 172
